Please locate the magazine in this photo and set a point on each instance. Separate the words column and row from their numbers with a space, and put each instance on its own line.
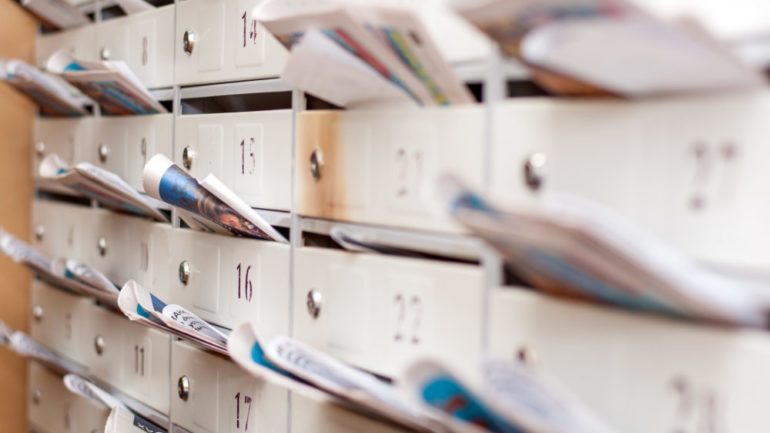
column 51, row 94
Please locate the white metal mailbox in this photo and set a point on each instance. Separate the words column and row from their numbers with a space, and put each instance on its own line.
column 128, row 356
column 249, row 152
column 642, row 374
column 214, row 395
column 684, row 168
column 380, row 166
column 65, row 138
column 53, row 408
column 144, row 41
column 123, row 144
column 220, row 40
column 380, row 313
column 57, row 227
column 311, row 416
column 56, row 319
column 80, row 42
column 228, row 280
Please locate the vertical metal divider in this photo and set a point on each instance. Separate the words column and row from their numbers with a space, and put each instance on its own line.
column 493, row 92
column 298, row 104
column 176, row 110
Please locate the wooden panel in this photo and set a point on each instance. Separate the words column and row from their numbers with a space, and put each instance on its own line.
column 17, row 35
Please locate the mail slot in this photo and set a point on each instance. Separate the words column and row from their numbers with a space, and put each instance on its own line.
column 640, row 373
column 379, row 166
column 685, row 168
column 220, row 40
column 52, row 408
column 144, row 41
column 228, row 280
column 381, row 313
column 249, row 152
column 129, row 356
column 213, row 395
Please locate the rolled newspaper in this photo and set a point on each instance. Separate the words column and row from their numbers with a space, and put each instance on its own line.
column 165, row 181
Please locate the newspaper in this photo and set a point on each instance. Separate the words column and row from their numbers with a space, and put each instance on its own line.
column 84, row 388
column 210, row 201
column 69, row 268
column 512, row 399
column 287, row 363
column 122, row 420
column 138, row 304
column 608, row 45
column 360, row 390
column 569, row 246
column 356, row 240
column 53, row 272
column 101, row 185
column 111, row 84
column 392, row 42
column 322, row 68
column 60, row 14
column 52, row 95
column 26, row 346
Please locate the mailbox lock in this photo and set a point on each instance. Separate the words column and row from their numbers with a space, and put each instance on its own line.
column 99, row 345
column 39, row 232
column 526, row 355
column 187, row 157
column 101, row 245
column 183, row 388
column 314, row 302
column 40, row 149
column 37, row 313
column 534, row 170
column 104, row 152
column 184, row 272
column 316, row 164
column 36, row 397
column 188, row 41
column 105, row 53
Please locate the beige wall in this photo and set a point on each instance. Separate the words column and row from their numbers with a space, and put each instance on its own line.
column 17, row 34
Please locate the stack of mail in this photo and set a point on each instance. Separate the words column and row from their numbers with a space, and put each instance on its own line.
column 111, row 84
column 608, row 47
column 361, row 55
column 52, row 94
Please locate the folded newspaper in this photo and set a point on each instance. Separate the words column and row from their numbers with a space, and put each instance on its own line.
column 28, row 347
column 126, row 420
column 354, row 55
column 59, row 14
column 122, row 420
column 608, row 46
column 571, row 247
column 111, row 84
column 67, row 274
column 286, row 362
column 207, row 205
column 513, row 398
column 141, row 306
column 51, row 94
column 101, row 185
